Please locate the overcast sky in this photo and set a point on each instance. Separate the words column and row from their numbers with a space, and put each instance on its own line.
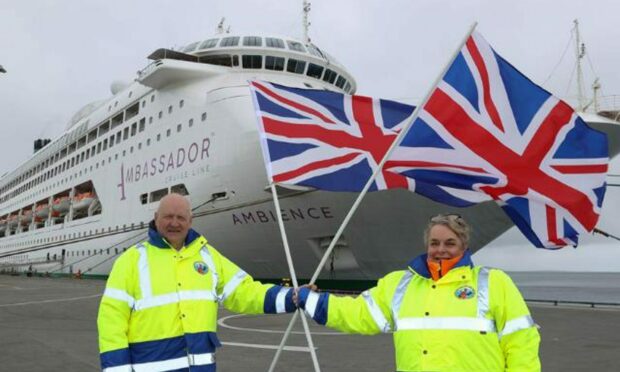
column 63, row 54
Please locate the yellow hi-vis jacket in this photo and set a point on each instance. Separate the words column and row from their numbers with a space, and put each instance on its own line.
column 472, row 319
column 159, row 308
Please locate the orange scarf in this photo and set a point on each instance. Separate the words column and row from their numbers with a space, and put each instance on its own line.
column 441, row 268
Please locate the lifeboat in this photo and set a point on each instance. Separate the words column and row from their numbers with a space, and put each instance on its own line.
column 26, row 217
column 83, row 200
column 61, row 205
column 12, row 220
column 41, row 212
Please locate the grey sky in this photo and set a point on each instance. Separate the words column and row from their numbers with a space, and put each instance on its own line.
column 61, row 55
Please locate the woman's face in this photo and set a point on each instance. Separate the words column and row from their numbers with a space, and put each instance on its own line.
column 443, row 243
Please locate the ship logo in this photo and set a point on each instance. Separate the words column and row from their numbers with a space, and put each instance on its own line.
column 201, row 267
column 465, row 293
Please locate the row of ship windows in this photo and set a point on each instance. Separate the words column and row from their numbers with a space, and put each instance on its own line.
column 95, row 150
column 253, row 41
column 103, row 128
column 115, row 138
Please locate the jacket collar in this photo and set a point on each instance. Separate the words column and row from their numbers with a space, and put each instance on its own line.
column 157, row 240
column 419, row 266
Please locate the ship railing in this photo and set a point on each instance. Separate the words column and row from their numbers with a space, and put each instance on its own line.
column 609, row 106
column 590, row 304
column 149, row 69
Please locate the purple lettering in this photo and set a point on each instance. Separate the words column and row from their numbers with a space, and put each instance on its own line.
column 190, row 157
column 153, row 166
column 138, row 174
column 205, row 148
column 248, row 217
column 129, row 175
column 170, row 162
column 145, row 170
column 284, row 215
column 297, row 213
column 180, row 160
column 236, row 219
column 162, row 164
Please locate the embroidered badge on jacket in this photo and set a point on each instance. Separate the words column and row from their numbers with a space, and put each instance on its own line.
column 201, row 267
column 464, row 293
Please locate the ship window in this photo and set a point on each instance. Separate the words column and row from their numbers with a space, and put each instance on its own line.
column 139, row 145
column 190, row 47
column 144, row 198
column 131, row 150
column 153, row 98
column 329, row 76
column 82, row 157
column 204, row 116
column 134, row 129
column 117, row 120
column 179, row 189
column 170, row 109
column 158, row 137
column 315, row 51
column 347, row 87
column 148, row 142
column 81, row 142
column 118, row 137
column 111, row 141
column 87, row 154
column 274, row 63
column 92, row 135
column 340, row 82
column 157, row 195
column 161, row 114
column 103, row 128
column 181, row 103
column 235, row 60
column 296, row 46
column 168, row 133
column 210, row 43
column 252, row 61
column 142, row 125
column 92, row 151
column 179, row 127
column 252, row 41
column 219, row 60
column 125, row 133
column 229, row 41
column 314, row 71
column 191, row 122
column 132, row 111
column 272, row 42
column 143, row 103
column 296, row 66
column 124, row 153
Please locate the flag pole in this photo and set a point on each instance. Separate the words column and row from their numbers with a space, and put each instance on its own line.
column 361, row 195
column 291, row 268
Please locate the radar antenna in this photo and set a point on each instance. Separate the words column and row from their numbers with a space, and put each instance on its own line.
column 220, row 26
column 306, row 22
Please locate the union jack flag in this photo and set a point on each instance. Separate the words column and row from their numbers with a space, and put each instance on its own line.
column 489, row 133
column 327, row 140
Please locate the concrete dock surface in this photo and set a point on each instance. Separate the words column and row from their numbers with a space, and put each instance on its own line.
column 50, row 325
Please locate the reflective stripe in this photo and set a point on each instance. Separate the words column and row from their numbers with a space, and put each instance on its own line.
column 377, row 314
column 397, row 300
column 123, row 368
column 232, row 284
column 172, row 298
column 483, row 292
column 206, row 256
column 281, row 300
column 164, row 365
column 517, row 324
column 143, row 271
column 311, row 302
column 452, row 323
column 120, row 295
column 201, row 359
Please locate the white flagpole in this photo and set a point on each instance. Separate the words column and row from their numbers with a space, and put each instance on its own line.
column 291, row 268
column 396, row 142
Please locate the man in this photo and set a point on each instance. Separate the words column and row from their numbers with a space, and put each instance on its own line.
column 159, row 308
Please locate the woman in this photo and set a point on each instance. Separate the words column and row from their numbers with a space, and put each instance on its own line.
column 446, row 314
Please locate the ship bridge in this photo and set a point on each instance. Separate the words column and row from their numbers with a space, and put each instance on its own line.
column 275, row 54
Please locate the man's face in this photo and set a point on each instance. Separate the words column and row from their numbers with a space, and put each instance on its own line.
column 173, row 220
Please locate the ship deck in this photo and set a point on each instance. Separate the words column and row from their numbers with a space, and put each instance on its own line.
column 50, row 325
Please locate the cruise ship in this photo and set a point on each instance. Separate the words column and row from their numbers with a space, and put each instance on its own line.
column 186, row 124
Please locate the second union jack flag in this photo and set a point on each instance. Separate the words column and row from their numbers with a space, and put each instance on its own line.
column 489, row 133
column 327, row 140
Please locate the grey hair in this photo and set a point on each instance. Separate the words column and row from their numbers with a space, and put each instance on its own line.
column 454, row 222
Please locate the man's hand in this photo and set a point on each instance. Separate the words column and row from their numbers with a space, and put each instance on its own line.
column 311, row 287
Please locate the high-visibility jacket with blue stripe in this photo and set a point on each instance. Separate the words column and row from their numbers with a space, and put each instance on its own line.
column 471, row 319
column 159, row 308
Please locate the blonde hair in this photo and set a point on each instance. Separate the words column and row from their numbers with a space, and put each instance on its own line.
column 454, row 222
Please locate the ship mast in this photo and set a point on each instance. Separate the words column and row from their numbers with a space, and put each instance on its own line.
column 580, row 51
column 305, row 21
